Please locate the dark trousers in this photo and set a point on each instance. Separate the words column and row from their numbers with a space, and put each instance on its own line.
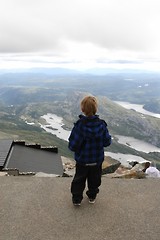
column 91, row 174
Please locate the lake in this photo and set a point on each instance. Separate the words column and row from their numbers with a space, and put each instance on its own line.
column 138, row 108
column 55, row 126
column 136, row 144
column 124, row 159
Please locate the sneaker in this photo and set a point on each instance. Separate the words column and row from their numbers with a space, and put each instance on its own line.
column 76, row 203
column 92, row 200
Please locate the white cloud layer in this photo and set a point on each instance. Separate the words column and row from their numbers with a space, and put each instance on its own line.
column 79, row 32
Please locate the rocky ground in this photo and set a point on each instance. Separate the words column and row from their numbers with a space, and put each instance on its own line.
column 111, row 168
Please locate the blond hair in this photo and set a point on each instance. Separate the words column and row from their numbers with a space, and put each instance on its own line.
column 89, row 105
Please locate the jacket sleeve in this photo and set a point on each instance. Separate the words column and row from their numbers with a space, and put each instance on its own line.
column 75, row 139
column 107, row 138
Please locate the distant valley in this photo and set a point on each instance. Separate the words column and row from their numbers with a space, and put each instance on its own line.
column 25, row 97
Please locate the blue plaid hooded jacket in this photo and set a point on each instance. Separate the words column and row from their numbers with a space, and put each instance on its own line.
column 88, row 138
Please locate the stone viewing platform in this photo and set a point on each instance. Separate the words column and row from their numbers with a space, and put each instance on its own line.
column 36, row 208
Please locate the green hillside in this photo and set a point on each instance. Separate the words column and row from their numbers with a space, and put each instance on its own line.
column 120, row 121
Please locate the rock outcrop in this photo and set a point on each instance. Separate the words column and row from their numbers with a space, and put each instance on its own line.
column 135, row 172
column 110, row 165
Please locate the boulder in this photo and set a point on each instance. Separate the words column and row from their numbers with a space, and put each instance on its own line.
column 110, row 165
column 130, row 174
column 134, row 172
column 68, row 167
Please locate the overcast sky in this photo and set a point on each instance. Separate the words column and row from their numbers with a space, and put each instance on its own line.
column 80, row 33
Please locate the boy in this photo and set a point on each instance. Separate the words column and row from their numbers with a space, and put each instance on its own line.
column 87, row 140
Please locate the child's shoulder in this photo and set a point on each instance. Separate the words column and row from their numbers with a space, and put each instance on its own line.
column 103, row 121
column 80, row 120
column 83, row 120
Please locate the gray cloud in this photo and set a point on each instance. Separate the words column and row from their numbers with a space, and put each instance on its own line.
column 43, row 26
column 119, row 61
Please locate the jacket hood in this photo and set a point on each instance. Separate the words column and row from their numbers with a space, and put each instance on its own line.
column 92, row 127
